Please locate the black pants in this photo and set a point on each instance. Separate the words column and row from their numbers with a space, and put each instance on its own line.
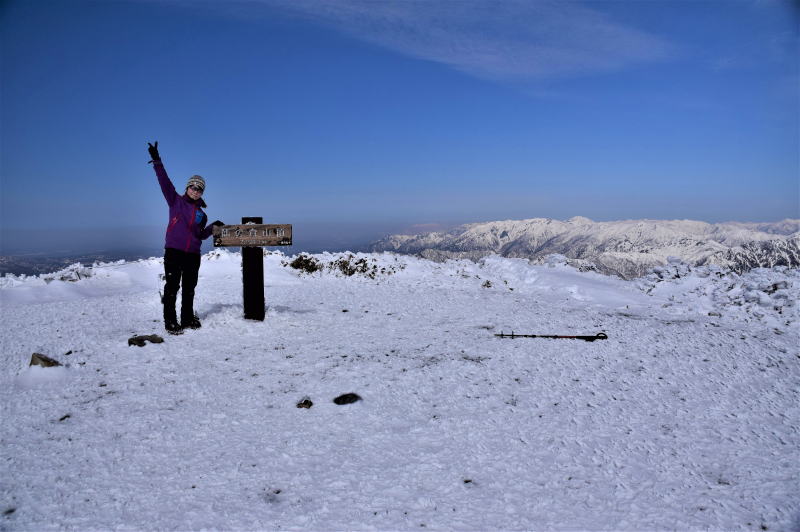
column 180, row 265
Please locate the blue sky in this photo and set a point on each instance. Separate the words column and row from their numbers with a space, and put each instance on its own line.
column 385, row 115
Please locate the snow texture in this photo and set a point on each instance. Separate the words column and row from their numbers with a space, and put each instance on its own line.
column 685, row 418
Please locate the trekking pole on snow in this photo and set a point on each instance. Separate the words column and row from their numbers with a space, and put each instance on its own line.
column 598, row 336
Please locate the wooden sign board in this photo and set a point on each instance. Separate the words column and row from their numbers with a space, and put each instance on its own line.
column 246, row 235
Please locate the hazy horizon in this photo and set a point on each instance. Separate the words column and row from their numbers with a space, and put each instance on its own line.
column 309, row 236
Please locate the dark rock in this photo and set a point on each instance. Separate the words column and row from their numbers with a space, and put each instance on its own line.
column 347, row 398
column 305, row 403
column 38, row 359
column 782, row 285
column 143, row 339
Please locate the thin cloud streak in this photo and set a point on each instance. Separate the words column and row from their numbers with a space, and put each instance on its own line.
column 510, row 40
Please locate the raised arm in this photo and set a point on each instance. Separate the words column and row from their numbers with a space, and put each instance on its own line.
column 167, row 188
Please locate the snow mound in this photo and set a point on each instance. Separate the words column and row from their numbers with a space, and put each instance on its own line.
column 343, row 264
column 765, row 295
column 37, row 376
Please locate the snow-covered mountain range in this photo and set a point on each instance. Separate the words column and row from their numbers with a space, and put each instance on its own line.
column 628, row 248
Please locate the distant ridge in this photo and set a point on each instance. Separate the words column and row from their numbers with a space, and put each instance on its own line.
column 628, row 248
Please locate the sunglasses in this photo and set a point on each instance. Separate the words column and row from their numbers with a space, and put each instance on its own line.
column 196, row 189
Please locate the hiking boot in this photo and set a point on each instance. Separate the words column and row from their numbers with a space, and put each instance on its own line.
column 172, row 327
column 191, row 323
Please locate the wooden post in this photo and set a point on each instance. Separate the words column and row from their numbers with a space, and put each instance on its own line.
column 251, row 236
column 253, row 277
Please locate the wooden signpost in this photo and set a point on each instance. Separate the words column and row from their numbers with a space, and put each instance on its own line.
column 251, row 235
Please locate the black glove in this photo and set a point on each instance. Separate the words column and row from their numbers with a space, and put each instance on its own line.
column 217, row 223
column 154, row 156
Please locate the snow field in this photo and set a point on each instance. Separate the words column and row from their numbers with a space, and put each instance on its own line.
column 680, row 420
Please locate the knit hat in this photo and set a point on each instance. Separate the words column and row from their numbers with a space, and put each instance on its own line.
column 196, row 181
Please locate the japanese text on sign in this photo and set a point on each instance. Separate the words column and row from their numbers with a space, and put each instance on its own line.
column 253, row 235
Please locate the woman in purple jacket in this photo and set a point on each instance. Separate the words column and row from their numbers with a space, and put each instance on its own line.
column 187, row 227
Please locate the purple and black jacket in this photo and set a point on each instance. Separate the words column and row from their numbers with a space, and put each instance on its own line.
column 187, row 221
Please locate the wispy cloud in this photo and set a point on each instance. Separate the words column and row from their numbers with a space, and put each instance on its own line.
column 507, row 40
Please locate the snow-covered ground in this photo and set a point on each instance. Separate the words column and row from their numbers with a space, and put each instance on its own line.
column 686, row 418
